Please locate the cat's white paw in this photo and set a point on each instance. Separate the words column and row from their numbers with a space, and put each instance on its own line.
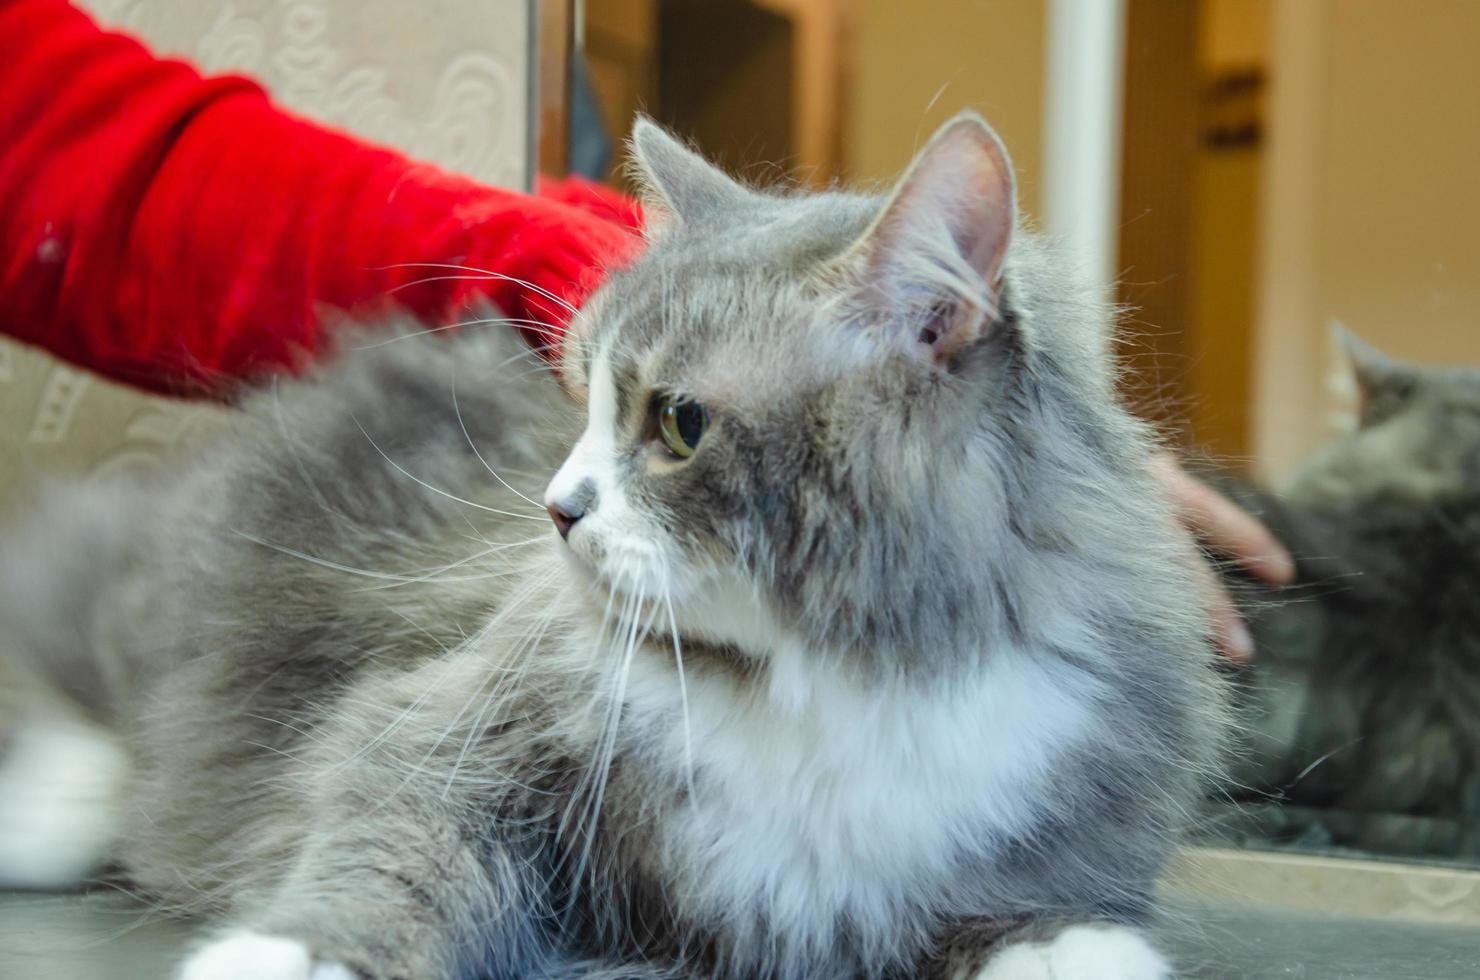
column 253, row 956
column 60, row 781
column 1081, row 953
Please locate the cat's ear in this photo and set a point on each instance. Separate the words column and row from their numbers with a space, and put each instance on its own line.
column 933, row 259
column 1384, row 385
column 677, row 184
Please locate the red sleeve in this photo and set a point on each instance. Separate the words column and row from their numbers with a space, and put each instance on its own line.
column 171, row 230
column 592, row 197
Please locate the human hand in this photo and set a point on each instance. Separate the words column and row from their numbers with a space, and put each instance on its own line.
column 1228, row 529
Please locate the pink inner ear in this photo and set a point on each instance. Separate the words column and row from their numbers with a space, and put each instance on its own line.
column 980, row 190
column 947, row 230
column 961, row 182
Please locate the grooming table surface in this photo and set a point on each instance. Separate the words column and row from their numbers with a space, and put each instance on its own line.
column 108, row 937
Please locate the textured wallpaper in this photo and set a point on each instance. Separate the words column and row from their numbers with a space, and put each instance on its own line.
column 444, row 80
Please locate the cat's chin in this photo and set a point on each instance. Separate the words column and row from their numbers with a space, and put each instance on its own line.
column 608, row 601
column 714, row 616
column 637, row 578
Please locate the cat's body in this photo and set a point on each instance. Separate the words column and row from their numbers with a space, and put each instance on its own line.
column 943, row 696
column 1367, row 682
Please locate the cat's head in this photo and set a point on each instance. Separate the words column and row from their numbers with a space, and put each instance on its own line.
column 838, row 417
column 1417, row 438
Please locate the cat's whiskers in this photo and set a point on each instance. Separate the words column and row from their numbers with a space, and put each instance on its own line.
column 474, row 273
column 506, row 684
column 536, row 586
column 1318, row 762
column 439, row 575
column 457, row 410
column 437, row 490
column 569, row 818
column 436, row 640
column 632, row 626
column 541, row 328
column 401, row 718
column 397, row 578
column 683, row 687
column 625, row 619
column 471, row 643
column 487, row 696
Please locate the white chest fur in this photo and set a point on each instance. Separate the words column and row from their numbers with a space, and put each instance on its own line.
column 818, row 798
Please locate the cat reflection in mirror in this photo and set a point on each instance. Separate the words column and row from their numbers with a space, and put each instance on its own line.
column 823, row 621
column 1366, row 690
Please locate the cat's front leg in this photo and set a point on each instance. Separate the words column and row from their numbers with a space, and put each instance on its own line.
column 386, row 887
column 1088, row 951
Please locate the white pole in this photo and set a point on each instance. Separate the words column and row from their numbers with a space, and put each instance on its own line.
column 1082, row 124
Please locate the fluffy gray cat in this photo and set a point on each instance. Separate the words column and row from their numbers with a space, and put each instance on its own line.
column 863, row 645
column 1366, row 690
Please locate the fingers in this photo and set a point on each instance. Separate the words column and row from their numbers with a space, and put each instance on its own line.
column 1230, row 635
column 1225, row 526
column 1228, row 529
column 1229, row 632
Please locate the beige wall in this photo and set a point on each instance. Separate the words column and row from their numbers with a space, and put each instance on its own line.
column 1372, row 214
column 1233, row 40
column 914, row 63
column 1400, row 208
column 1233, row 33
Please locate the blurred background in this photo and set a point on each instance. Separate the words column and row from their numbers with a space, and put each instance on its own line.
column 1241, row 173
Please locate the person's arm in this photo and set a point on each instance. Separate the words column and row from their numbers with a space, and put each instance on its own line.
column 180, row 232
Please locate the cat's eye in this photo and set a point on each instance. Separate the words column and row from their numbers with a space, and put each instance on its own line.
column 681, row 424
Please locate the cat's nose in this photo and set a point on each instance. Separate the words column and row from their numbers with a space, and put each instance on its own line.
column 567, row 504
column 565, row 514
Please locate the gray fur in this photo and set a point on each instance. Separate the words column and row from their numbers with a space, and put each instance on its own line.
column 1368, row 675
column 347, row 732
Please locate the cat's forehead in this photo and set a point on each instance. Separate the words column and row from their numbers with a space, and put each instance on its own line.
column 1436, row 401
column 1459, row 386
column 734, row 304
column 776, row 230
column 718, row 332
column 1426, row 444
